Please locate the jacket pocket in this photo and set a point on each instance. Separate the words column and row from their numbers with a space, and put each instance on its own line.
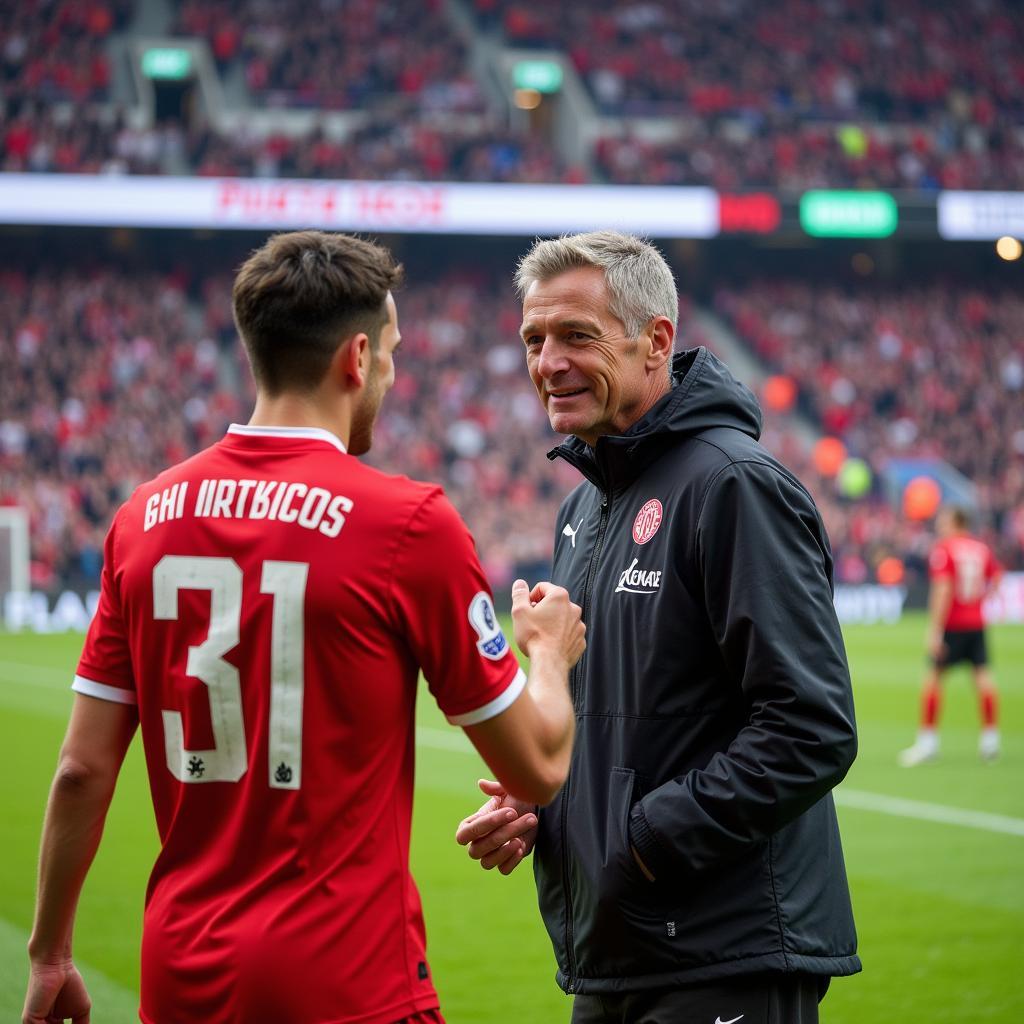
column 621, row 920
column 622, row 874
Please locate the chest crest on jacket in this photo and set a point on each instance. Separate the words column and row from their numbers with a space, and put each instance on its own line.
column 648, row 521
column 643, row 577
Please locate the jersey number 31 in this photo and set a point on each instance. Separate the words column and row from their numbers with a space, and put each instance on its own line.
column 222, row 577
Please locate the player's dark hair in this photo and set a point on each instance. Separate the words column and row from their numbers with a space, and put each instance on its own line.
column 959, row 517
column 301, row 295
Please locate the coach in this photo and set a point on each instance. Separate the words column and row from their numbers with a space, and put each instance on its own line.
column 691, row 865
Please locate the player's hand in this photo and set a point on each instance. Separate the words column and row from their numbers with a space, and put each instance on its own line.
column 936, row 646
column 56, row 992
column 545, row 618
column 502, row 833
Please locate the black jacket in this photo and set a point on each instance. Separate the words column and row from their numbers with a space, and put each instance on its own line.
column 714, row 712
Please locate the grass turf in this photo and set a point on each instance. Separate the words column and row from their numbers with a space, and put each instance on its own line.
column 940, row 907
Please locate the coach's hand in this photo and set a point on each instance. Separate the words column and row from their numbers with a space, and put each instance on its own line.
column 502, row 833
column 56, row 991
column 545, row 618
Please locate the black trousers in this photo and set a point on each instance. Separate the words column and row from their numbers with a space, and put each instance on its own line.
column 761, row 999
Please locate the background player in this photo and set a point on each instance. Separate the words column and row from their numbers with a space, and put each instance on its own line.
column 963, row 572
column 266, row 607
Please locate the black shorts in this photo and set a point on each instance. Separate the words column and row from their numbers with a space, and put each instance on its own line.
column 963, row 645
column 764, row 999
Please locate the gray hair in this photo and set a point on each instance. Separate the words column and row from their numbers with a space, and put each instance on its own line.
column 640, row 284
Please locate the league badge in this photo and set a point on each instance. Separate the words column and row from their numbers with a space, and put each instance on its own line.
column 482, row 617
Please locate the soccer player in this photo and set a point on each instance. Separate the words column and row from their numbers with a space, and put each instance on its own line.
column 963, row 572
column 266, row 607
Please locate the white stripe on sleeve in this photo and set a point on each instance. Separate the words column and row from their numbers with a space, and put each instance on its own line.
column 493, row 707
column 112, row 693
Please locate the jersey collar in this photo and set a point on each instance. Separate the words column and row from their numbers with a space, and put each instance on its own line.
column 308, row 433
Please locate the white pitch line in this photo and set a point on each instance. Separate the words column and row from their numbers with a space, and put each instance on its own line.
column 859, row 799
column 940, row 813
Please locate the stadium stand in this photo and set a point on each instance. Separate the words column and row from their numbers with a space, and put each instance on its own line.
column 352, row 56
column 54, row 51
column 727, row 94
column 113, row 375
column 105, row 383
column 922, row 371
column 842, row 60
column 782, row 153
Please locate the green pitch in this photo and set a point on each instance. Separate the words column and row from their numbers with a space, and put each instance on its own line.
column 935, row 854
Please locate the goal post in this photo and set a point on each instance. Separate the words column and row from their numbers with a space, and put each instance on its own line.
column 14, row 552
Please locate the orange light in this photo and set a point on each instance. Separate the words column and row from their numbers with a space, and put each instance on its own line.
column 526, row 99
column 779, row 393
column 890, row 571
column 921, row 498
column 828, row 455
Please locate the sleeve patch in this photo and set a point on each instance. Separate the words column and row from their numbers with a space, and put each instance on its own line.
column 482, row 617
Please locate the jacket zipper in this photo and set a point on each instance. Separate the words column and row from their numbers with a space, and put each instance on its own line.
column 577, row 674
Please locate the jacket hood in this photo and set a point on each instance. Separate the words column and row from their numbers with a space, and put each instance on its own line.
column 704, row 395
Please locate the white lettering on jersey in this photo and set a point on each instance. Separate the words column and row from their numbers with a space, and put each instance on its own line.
column 261, row 499
column 312, row 508
column 222, row 499
column 165, row 505
column 244, row 487
column 336, row 510
column 639, row 581
column 289, row 513
column 482, row 617
column 205, row 498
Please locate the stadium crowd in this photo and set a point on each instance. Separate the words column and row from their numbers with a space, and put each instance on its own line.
column 837, row 60
column 920, row 372
column 796, row 95
column 344, row 56
column 105, row 383
column 53, row 50
column 784, row 153
column 111, row 376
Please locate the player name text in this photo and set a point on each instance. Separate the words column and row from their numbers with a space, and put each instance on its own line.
column 281, row 501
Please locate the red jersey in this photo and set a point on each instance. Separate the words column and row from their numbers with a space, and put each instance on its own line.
column 268, row 604
column 971, row 566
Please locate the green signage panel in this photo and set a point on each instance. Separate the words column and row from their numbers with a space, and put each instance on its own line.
column 167, row 62
column 541, row 75
column 827, row 214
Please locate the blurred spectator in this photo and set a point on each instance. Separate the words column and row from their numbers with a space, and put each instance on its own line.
column 841, row 60
column 99, row 367
column 53, row 50
column 931, row 371
column 339, row 54
column 794, row 95
column 783, row 153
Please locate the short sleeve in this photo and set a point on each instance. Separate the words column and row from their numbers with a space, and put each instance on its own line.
column 443, row 606
column 939, row 562
column 105, row 667
column 992, row 565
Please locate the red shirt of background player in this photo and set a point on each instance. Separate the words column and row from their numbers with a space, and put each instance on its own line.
column 971, row 566
column 272, row 639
